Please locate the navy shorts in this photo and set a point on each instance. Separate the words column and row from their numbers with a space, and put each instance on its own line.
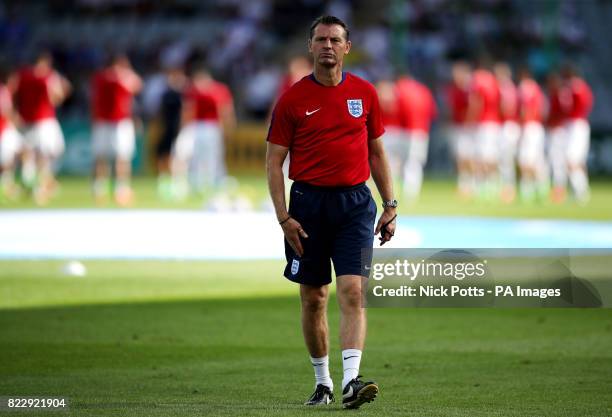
column 339, row 222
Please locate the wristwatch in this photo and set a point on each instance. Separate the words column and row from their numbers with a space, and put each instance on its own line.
column 389, row 203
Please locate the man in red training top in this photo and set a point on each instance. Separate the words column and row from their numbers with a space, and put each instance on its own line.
column 10, row 144
column 113, row 137
column 331, row 124
column 37, row 91
column 531, row 157
column 417, row 110
column 559, row 100
column 461, row 134
column 510, row 130
column 208, row 114
column 578, row 133
column 483, row 112
column 395, row 140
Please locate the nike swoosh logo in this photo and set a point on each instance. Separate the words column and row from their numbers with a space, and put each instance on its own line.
column 348, row 357
column 308, row 113
column 349, row 394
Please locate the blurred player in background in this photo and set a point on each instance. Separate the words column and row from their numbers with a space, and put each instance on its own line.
column 170, row 110
column 510, row 130
column 10, row 144
column 461, row 135
column 113, row 136
column 395, row 141
column 208, row 115
column 484, row 113
column 297, row 68
column 417, row 110
column 578, row 132
column 559, row 100
column 37, row 91
column 532, row 160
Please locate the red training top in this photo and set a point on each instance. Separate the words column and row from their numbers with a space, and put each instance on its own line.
column 389, row 107
column 458, row 102
column 208, row 101
column 417, row 105
column 532, row 101
column 509, row 102
column 485, row 87
column 327, row 130
column 32, row 95
column 582, row 99
column 5, row 105
column 111, row 96
column 558, row 106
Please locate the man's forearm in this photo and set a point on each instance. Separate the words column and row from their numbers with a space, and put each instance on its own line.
column 381, row 173
column 276, row 186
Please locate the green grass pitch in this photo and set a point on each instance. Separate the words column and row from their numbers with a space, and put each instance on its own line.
column 164, row 338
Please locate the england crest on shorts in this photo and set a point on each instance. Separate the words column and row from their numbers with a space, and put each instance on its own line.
column 355, row 107
column 295, row 267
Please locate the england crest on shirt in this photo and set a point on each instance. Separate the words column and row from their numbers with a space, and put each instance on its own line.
column 355, row 107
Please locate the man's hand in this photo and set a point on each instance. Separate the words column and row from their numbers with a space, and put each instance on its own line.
column 389, row 231
column 293, row 231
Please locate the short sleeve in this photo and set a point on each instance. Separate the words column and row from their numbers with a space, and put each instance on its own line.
column 282, row 125
column 374, row 122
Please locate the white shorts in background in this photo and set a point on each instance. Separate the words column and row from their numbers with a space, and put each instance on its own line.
column 462, row 142
column 395, row 142
column 45, row 137
column 10, row 146
column 418, row 145
column 184, row 144
column 114, row 139
column 557, row 145
column 201, row 145
column 487, row 141
column 510, row 136
column 531, row 147
column 578, row 141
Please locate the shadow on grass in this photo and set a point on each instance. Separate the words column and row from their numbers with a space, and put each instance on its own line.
column 246, row 357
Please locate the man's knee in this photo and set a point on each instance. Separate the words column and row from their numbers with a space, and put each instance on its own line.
column 313, row 298
column 349, row 293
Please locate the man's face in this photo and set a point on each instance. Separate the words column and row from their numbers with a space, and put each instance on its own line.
column 328, row 45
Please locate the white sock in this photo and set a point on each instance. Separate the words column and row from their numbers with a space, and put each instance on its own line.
column 321, row 370
column 351, row 358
